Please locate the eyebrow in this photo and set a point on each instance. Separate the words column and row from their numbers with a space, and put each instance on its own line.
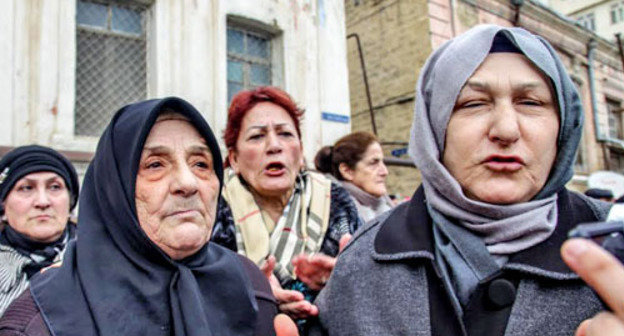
column 48, row 180
column 163, row 150
column 481, row 86
column 263, row 127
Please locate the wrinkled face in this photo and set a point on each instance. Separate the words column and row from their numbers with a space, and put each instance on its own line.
column 370, row 172
column 176, row 188
column 38, row 206
column 268, row 151
column 501, row 140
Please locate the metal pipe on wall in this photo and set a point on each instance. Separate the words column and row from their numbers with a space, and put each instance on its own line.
column 363, row 66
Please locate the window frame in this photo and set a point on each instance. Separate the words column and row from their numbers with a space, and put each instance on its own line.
column 275, row 49
column 143, row 8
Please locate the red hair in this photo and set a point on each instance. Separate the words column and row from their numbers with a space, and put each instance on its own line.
column 245, row 100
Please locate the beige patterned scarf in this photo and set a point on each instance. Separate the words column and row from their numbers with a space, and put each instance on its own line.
column 300, row 229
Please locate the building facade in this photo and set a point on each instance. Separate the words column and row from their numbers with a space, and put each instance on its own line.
column 603, row 17
column 398, row 35
column 69, row 65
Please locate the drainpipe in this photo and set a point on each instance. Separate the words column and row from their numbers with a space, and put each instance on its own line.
column 619, row 42
column 591, row 48
column 517, row 4
column 368, row 96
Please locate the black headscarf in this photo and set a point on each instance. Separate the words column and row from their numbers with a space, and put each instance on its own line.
column 32, row 159
column 114, row 280
column 18, row 163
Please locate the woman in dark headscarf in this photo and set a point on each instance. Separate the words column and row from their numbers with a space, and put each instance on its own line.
column 38, row 190
column 142, row 264
column 476, row 251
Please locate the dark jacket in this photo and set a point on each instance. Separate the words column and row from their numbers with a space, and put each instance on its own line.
column 386, row 282
column 23, row 317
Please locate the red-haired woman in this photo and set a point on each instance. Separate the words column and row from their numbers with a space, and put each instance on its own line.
column 285, row 218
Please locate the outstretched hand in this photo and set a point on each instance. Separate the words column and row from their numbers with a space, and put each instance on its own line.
column 290, row 302
column 605, row 275
column 314, row 269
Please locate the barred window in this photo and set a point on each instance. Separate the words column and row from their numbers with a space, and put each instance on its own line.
column 110, row 61
column 248, row 59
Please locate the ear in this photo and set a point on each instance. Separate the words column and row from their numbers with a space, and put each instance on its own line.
column 233, row 158
column 346, row 172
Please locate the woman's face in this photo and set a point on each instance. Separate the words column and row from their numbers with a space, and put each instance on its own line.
column 370, row 172
column 38, row 206
column 501, row 140
column 176, row 188
column 268, row 151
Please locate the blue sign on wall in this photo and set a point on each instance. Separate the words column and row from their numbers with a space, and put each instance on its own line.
column 339, row 118
column 399, row 152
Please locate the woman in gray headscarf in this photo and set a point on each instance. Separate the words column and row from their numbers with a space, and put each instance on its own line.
column 496, row 126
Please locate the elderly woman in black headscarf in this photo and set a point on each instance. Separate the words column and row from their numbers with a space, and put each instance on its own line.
column 38, row 190
column 142, row 264
column 476, row 251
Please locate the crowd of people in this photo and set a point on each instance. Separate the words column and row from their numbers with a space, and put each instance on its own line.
column 172, row 240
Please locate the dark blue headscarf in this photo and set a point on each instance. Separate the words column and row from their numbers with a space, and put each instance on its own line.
column 114, row 280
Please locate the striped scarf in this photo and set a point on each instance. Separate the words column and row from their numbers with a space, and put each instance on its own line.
column 300, row 229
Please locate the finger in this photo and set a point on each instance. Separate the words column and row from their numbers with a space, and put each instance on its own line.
column 297, row 310
column 343, row 241
column 582, row 328
column 267, row 266
column 285, row 296
column 599, row 269
column 322, row 261
column 605, row 324
column 314, row 264
column 284, row 326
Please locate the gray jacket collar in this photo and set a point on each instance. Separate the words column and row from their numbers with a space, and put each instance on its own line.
column 407, row 234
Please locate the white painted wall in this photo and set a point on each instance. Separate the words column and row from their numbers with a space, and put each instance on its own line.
column 186, row 57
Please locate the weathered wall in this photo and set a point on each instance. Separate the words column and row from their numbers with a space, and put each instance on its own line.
column 186, row 57
column 395, row 42
column 395, row 50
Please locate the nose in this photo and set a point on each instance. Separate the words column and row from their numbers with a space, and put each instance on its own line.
column 274, row 145
column 504, row 124
column 43, row 199
column 184, row 181
column 383, row 170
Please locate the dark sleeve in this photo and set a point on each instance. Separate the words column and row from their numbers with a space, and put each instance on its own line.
column 267, row 305
column 343, row 218
column 23, row 318
column 224, row 230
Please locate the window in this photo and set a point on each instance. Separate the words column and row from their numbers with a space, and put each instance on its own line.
column 614, row 110
column 587, row 21
column 248, row 59
column 617, row 13
column 616, row 161
column 110, row 61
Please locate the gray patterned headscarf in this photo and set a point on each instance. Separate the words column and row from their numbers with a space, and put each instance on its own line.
column 505, row 229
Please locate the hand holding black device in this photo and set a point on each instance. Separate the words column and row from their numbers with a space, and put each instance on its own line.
column 609, row 235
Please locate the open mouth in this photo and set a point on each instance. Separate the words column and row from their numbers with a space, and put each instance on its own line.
column 275, row 168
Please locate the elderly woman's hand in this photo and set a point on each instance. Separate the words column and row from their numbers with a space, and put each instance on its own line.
column 314, row 270
column 603, row 273
column 291, row 302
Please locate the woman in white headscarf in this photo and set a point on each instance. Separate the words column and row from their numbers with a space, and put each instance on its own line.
column 476, row 251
